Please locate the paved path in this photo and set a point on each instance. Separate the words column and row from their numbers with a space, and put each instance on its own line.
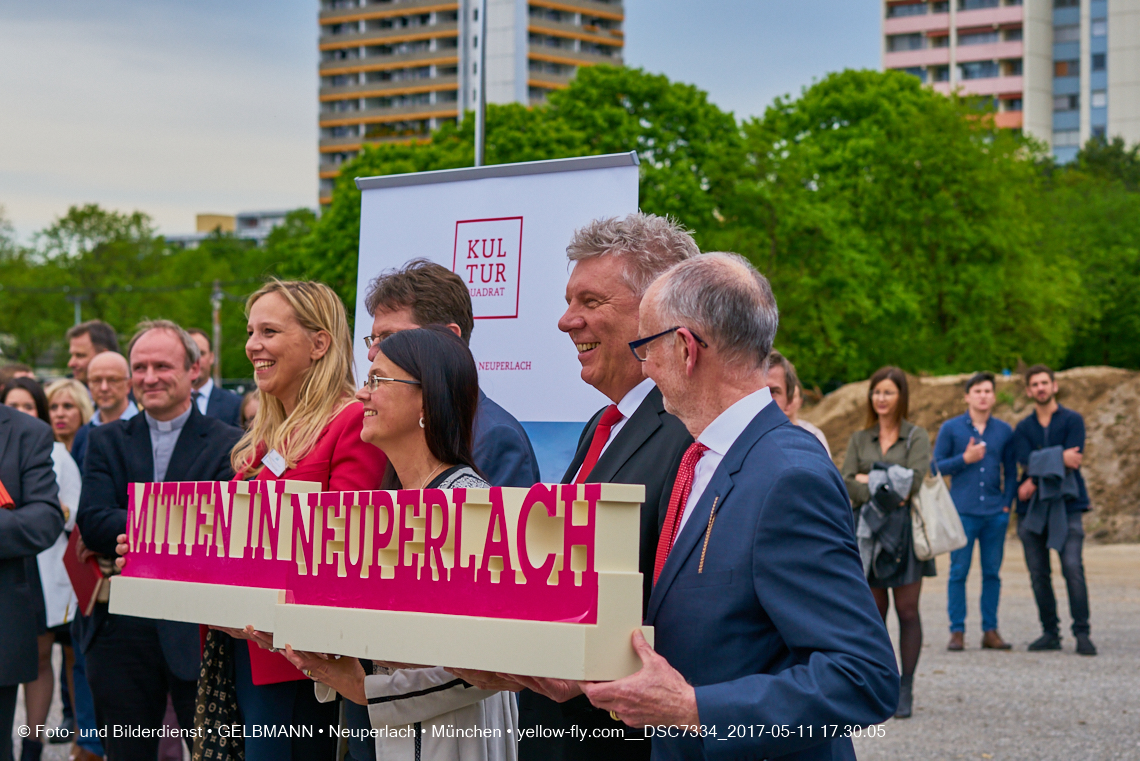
column 1011, row 706
column 1019, row 705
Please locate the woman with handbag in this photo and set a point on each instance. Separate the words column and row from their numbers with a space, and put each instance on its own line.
column 889, row 439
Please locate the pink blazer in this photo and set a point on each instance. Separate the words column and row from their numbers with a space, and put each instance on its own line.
column 341, row 462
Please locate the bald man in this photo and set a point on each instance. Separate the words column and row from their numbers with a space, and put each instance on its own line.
column 108, row 378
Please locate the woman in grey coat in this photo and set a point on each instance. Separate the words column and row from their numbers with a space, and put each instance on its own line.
column 890, row 439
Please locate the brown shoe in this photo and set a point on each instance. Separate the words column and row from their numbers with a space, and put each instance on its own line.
column 79, row 753
column 991, row 640
column 957, row 641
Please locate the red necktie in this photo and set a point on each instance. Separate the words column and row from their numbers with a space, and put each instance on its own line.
column 609, row 419
column 682, row 487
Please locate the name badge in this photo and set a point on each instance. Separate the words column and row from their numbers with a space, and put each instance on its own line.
column 275, row 462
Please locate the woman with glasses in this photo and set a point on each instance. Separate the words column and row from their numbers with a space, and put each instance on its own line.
column 890, row 439
column 307, row 428
column 419, row 407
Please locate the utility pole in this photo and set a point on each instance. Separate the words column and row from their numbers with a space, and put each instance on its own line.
column 216, row 297
column 75, row 302
column 481, row 102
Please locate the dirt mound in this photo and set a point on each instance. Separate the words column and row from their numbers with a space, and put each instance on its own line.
column 1107, row 397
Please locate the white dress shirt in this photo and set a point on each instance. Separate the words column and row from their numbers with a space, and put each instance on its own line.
column 204, row 395
column 128, row 413
column 627, row 406
column 719, row 437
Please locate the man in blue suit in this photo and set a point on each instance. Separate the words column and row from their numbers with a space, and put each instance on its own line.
column 212, row 400
column 768, row 642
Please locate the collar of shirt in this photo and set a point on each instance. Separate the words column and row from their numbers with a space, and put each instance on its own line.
column 627, row 406
column 204, row 395
column 166, row 426
column 128, row 413
column 719, row 437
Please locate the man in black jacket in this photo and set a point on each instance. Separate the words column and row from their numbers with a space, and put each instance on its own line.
column 30, row 521
column 132, row 663
column 632, row 441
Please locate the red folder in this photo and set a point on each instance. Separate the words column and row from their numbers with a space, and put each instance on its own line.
column 86, row 578
column 5, row 497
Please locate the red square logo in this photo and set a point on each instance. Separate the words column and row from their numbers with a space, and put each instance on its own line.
column 488, row 254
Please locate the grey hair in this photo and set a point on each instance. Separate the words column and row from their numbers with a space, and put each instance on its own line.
column 193, row 354
column 726, row 301
column 648, row 245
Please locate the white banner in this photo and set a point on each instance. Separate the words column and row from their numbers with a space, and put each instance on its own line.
column 504, row 230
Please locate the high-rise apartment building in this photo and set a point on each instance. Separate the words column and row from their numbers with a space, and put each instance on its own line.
column 393, row 70
column 1061, row 70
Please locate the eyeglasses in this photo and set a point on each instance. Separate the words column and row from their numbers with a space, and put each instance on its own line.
column 369, row 340
column 97, row 382
column 640, row 347
column 374, row 382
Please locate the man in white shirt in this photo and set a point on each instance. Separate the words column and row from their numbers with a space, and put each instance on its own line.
column 761, row 613
column 109, row 382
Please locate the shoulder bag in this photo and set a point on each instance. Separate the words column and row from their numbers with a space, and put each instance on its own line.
column 935, row 522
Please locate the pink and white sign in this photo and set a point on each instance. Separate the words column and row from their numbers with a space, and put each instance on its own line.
column 488, row 256
column 473, row 578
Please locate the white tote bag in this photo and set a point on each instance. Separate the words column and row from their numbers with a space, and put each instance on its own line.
column 937, row 527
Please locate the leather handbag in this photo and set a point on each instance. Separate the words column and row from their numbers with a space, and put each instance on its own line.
column 936, row 525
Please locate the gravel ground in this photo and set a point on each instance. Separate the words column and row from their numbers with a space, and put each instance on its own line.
column 1016, row 705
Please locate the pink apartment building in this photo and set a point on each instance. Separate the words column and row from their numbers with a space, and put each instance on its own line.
column 1061, row 70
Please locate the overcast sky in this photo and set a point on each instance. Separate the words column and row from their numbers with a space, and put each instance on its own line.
column 176, row 107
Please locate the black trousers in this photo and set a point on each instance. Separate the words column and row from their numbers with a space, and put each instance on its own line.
column 1072, row 568
column 129, row 680
column 7, row 716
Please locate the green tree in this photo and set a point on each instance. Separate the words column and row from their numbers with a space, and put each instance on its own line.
column 897, row 226
column 680, row 138
column 1094, row 221
column 1110, row 160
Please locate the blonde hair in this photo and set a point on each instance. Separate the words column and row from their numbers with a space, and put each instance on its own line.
column 328, row 388
column 78, row 393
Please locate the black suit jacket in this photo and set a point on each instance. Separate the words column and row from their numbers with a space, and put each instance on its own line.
column 119, row 454
column 642, row 453
column 647, row 445
column 26, row 529
column 224, row 405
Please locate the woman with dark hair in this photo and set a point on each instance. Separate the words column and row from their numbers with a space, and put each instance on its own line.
column 27, row 396
column 889, row 439
column 419, row 407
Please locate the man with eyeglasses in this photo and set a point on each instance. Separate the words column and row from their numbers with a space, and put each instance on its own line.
column 760, row 610
column 108, row 380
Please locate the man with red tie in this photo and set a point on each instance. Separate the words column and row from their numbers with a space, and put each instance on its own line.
column 762, row 617
column 629, row 441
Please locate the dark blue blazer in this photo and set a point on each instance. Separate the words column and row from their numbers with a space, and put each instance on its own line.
column 224, row 405
column 26, row 529
column 779, row 628
column 502, row 449
column 119, row 453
